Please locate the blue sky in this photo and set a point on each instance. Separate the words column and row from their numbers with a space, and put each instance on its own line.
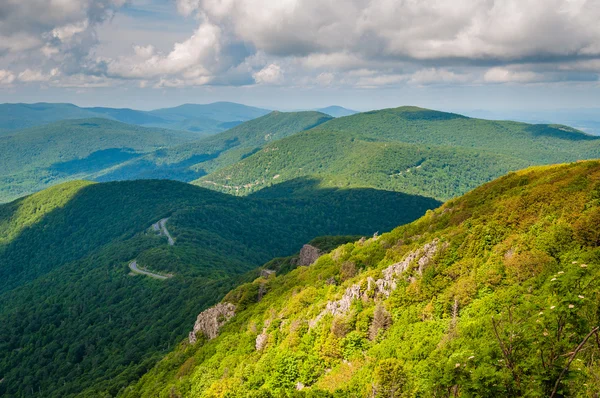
column 292, row 54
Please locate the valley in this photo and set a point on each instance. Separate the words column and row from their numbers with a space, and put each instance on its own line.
column 284, row 220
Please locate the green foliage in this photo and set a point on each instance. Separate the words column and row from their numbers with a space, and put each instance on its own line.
column 189, row 161
column 37, row 157
column 507, row 306
column 74, row 321
column 390, row 378
column 407, row 149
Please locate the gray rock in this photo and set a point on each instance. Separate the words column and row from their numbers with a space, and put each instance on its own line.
column 210, row 321
column 308, row 255
column 383, row 286
column 261, row 340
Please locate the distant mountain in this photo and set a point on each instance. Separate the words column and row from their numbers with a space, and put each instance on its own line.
column 337, row 111
column 495, row 294
column 34, row 158
column 203, row 119
column 19, row 116
column 220, row 111
column 77, row 319
column 406, row 149
column 585, row 119
column 189, row 161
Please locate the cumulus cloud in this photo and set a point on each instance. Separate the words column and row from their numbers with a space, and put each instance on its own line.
column 6, row 77
column 505, row 75
column 271, row 74
column 437, row 76
column 190, row 59
column 50, row 34
column 366, row 43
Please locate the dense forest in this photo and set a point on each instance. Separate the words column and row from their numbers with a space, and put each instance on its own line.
column 189, row 161
column 37, row 157
column 493, row 294
column 408, row 149
column 74, row 320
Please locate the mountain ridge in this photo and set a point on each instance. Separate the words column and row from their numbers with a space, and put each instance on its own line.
column 493, row 293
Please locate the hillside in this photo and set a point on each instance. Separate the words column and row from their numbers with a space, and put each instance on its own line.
column 203, row 119
column 78, row 318
column 493, row 294
column 406, row 149
column 34, row 158
column 189, row 161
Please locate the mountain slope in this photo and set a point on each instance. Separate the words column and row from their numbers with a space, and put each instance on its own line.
column 74, row 319
column 406, row 149
column 34, row 158
column 189, row 161
column 493, row 294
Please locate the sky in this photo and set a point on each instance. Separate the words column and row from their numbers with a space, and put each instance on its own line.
column 479, row 55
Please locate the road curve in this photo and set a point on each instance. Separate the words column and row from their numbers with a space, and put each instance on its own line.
column 161, row 228
column 134, row 268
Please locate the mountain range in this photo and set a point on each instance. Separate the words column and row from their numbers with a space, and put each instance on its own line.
column 203, row 119
column 148, row 254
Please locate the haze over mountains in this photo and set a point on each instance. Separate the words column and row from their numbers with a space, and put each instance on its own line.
column 200, row 118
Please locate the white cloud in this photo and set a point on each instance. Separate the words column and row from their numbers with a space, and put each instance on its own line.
column 271, row 74
column 436, row 76
column 191, row 60
column 325, row 79
column 367, row 43
column 505, row 75
column 6, row 77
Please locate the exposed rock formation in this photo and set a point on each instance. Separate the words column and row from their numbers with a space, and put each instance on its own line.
column 210, row 321
column 265, row 273
column 308, row 255
column 383, row 286
column 261, row 340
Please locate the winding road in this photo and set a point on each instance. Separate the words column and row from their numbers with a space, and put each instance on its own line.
column 161, row 228
column 134, row 268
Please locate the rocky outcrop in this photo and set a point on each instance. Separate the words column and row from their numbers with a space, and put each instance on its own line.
column 383, row 286
column 308, row 255
column 210, row 321
column 265, row 273
column 261, row 340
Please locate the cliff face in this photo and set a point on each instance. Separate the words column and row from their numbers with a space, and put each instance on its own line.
column 210, row 321
column 308, row 255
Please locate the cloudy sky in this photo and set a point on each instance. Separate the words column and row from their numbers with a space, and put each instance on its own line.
column 288, row 54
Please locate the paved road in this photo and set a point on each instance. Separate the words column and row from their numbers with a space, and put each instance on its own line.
column 134, row 268
column 161, row 227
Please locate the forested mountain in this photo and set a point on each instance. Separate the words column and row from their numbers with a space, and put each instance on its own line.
column 493, row 294
column 406, row 149
column 78, row 315
column 189, row 161
column 202, row 119
column 34, row 158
